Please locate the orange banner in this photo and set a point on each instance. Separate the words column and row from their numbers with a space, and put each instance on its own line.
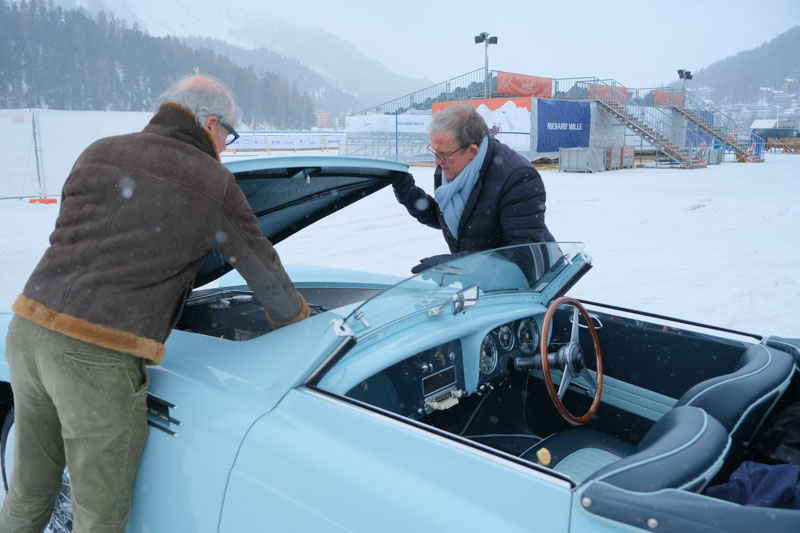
column 607, row 92
column 493, row 104
column 522, row 85
column 667, row 98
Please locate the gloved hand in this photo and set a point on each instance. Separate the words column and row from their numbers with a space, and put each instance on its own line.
column 429, row 262
column 404, row 189
column 304, row 313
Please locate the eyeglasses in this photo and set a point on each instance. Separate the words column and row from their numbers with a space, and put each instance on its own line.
column 232, row 135
column 443, row 157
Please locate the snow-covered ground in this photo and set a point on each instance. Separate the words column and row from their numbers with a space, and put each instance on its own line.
column 718, row 245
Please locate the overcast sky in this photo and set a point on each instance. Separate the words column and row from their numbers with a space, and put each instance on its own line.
column 640, row 44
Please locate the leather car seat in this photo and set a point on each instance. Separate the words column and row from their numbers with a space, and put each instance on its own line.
column 741, row 399
column 684, row 449
column 737, row 402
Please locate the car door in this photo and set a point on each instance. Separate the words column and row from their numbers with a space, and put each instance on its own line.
column 320, row 463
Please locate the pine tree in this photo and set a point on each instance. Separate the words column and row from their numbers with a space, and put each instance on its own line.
column 65, row 59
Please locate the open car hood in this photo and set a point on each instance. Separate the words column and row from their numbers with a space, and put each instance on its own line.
column 289, row 193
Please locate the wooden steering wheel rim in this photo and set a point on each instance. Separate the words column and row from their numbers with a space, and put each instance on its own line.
column 548, row 380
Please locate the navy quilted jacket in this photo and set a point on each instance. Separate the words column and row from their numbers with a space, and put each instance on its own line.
column 506, row 205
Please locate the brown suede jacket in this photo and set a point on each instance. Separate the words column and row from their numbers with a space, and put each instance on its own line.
column 139, row 214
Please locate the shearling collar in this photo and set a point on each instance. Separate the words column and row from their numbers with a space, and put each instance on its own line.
column 179, row 123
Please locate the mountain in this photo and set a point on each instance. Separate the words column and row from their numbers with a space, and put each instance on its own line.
column 245, row 25
column 334, row 58
column 737, row 79
column 317, row 87
column 64, row 59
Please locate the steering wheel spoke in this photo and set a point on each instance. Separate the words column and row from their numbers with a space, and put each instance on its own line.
column 572, row 358
column 589, row 380
column 574, row 335
column 566, row 379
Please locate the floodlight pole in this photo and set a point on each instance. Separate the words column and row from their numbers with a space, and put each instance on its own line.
column 484, row 38
column 684, row 75
column 486, row 68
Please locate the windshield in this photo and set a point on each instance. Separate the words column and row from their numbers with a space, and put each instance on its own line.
column 454, row 286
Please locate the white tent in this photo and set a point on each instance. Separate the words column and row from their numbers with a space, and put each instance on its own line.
column 764, row 123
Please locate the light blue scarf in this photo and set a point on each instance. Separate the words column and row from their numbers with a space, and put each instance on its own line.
column 451, row 196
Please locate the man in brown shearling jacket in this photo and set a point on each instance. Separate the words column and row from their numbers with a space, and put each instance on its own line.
column 139, row 214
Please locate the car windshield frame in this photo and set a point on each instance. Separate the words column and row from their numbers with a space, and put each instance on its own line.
column 456, row 285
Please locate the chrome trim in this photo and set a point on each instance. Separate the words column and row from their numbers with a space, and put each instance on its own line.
column 151, row 396
column 158, row 408
column 689, row 325
column 341, row 329
column 339, row 351
column 162, row 428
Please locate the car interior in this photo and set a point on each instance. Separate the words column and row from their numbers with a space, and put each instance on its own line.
column 660, row 383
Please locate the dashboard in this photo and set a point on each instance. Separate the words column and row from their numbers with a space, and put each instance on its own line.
column 518, row 338
column 437, row 378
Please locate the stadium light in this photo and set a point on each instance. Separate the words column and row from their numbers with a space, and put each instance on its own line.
column 484, row 38
column 684, row 75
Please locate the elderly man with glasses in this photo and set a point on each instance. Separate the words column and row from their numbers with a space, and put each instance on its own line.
column 139, row 215
column 490, row 195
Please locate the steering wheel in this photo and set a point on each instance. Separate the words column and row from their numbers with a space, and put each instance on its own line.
column 570, row 359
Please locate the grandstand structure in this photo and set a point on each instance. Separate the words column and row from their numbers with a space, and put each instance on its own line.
column 680, row 128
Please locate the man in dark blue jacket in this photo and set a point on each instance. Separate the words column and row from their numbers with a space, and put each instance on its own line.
column 490, row 196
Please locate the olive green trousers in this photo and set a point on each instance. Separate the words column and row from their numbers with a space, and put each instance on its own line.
column 79, row 405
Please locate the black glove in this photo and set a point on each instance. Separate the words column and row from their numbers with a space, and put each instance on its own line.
column 429, row 262
column 404, row 189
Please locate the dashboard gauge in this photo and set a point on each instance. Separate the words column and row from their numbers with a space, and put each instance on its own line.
column 528, row 334
column 488, row 358
column 506, row 336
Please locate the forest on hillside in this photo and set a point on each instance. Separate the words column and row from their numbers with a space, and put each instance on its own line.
column 737, row 79
column 64, row 59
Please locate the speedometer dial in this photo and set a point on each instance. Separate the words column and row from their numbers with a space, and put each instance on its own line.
column 488, row 357
column 506, row 337
column 528, row 334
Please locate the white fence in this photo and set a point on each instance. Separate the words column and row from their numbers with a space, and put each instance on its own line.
column 39, row 146
column 290, row 141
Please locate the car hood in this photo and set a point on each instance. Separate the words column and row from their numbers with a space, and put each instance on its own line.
column 289, row 193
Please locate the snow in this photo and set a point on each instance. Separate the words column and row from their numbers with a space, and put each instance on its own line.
column 716, row 245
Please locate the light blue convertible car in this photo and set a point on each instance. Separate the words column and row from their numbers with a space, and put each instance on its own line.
column 475, row 396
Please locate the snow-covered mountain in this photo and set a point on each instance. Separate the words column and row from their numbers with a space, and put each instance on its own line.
column 248, row 24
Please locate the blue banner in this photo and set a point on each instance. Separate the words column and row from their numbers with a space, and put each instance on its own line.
column 562, row 124
column 695, row 135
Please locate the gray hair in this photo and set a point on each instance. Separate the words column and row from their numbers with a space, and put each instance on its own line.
column 463, row 120
column 204, row 96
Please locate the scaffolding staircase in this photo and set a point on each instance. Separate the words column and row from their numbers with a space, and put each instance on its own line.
column 679, row 147
column 720, row 127
column 683, row 157
column 652, row 114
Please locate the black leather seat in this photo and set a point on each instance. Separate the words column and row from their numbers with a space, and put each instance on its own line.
column 741, row 399
column 684, row 449
column 737, row 402
column 790, row 346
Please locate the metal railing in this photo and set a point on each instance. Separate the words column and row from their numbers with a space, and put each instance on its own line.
column 634, row 106
column 466, row 86
column 407, row 147
column 726, row 130
column 651, row 113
